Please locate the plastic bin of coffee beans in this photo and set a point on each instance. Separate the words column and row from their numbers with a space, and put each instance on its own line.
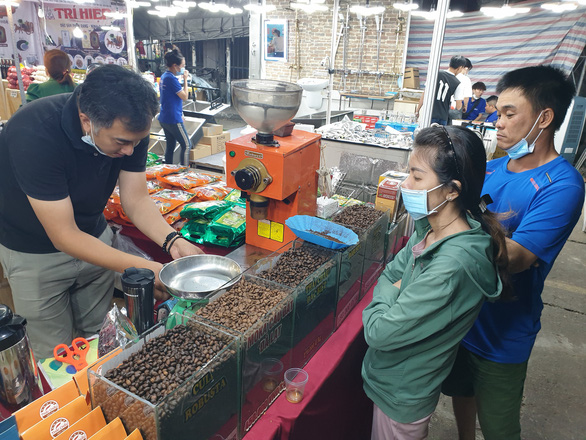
column 394, row 237
column 371, row 226
column 349, row 281
column 262, row 313
column 177, row 384
column 313, row 271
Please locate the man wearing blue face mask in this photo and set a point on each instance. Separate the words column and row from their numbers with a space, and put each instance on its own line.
column 60, row 159
column 539, row 196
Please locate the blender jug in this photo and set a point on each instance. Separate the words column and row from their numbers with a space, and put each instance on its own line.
column 19, row 381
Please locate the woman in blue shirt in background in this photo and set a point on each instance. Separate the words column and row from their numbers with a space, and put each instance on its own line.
column 172, row 97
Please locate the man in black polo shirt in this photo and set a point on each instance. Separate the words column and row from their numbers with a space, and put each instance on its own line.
column 60, row 158
column 447, row 86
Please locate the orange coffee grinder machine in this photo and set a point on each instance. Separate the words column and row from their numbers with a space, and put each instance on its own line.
column 278, row 173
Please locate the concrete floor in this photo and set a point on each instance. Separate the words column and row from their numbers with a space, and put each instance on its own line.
column 554, row 406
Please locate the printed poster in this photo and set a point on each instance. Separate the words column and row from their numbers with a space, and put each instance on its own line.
column 26, row 32
column 98, row 44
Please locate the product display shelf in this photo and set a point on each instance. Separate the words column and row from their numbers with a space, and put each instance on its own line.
column 205, row 405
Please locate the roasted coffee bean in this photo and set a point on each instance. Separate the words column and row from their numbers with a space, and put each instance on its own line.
column 296, row 265
column 358, row 217
column 166, row 361
column 240, row 308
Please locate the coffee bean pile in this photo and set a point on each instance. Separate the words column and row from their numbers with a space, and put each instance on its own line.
column 358, row 216
column 165, row 362
column 295, row 265
column 243, row 305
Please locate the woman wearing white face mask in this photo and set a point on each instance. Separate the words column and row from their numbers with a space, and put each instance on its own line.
column 428, row 297
column 171, row 116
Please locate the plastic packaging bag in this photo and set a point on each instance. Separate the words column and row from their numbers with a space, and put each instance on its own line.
column 194, row 230
column 162, row 170
column 228, row 228
column 125, row 244
column 216, row 191
column 152, row 159
column 235, row 196
column 188, row 180
column 168, row 199
column 208, row 209
column 117, row 330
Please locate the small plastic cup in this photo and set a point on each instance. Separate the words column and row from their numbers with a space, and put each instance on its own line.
column 272, row 373
column 295, row 380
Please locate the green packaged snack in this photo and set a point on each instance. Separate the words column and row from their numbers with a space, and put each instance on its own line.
column 152, row 159
column 228, row 228
column 194, row 230
column 235, row 196
column 208, row 210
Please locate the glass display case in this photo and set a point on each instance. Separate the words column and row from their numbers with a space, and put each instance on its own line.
column 204, row 404
column 313, row 273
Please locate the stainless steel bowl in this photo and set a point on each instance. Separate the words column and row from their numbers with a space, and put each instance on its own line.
column 196, row 276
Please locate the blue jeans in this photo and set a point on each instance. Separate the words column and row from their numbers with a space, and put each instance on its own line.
column 176, row 133
column 439, row 121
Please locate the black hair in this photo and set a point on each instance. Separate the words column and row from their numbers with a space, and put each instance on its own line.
column 457, row 153
column 492, row 100
column 457, row 61
column 277, row 31
column 479, row 86
column 113, row 92
column 468, row 64
column 544, row 87
column 173, row 57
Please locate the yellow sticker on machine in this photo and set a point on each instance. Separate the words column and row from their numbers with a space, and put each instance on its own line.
column 264, row 228
column 277, row 231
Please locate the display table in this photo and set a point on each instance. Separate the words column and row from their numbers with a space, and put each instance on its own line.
column 386, row 99
column 334, row 405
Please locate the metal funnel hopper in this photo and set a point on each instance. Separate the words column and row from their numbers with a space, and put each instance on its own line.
column 266, row 105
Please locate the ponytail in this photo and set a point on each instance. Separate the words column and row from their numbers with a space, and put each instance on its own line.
column 492, row 226
column 173, row 57
column 58, row 66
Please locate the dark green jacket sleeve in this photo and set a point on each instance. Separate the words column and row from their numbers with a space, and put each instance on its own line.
column 395, row 319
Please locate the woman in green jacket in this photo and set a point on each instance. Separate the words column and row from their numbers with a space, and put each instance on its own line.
column 58, row 66
column 428, row 297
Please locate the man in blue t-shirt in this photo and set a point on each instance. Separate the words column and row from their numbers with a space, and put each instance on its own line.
column 476, row 104
column 539, row 196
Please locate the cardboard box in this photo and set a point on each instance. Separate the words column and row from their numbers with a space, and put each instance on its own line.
column 388, row 194
column 411, row 78
column 212, row 129
column 199, row 151
column 217, row 142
